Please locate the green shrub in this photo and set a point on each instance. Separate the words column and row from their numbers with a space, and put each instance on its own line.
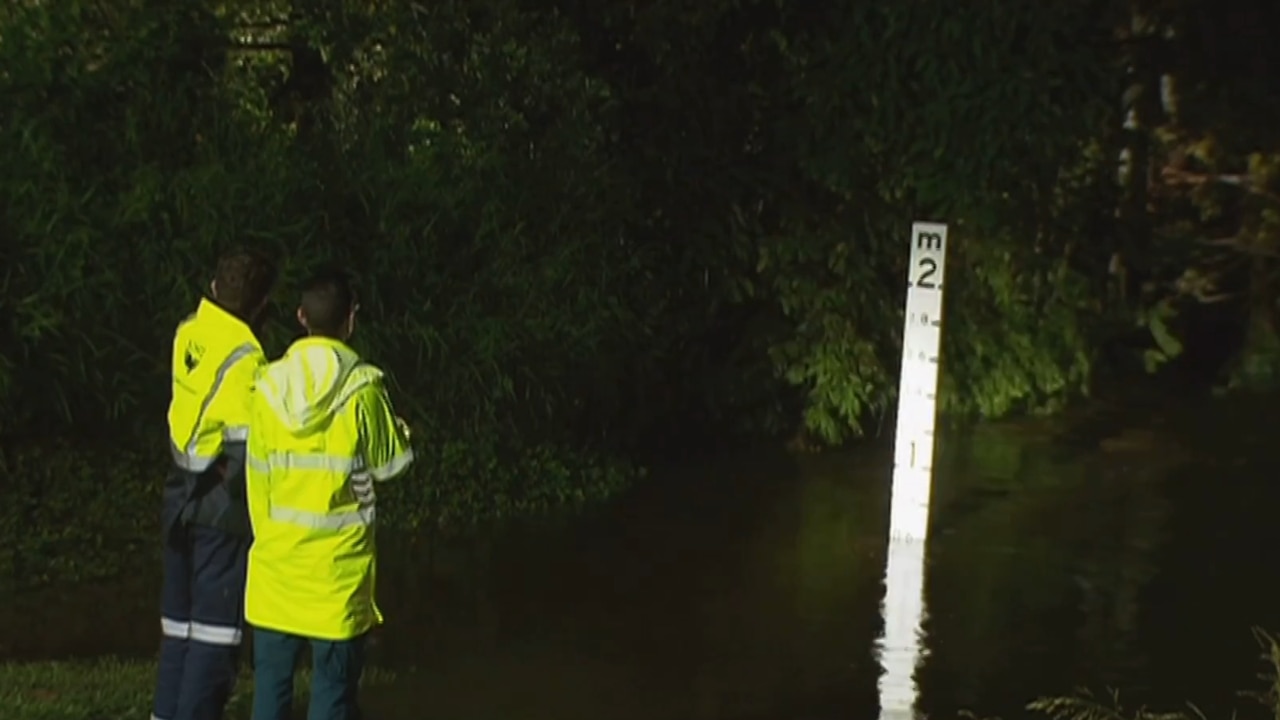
column 81, row 513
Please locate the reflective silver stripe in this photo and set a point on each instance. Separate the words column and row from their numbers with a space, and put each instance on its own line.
column 215, row 634
column 361, row 484
column 235, row 433
column 362, row 488
column 155, row 717
column 257, row 464
column 286, row 461
column 179, row 629
column 187, row 459
column 193, row 463
column 324, row 521
column 393, row 468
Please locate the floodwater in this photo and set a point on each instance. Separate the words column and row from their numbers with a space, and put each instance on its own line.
column 1136, row 555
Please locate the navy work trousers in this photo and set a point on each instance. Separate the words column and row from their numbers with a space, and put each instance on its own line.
column 202, row 622
column 335, row 676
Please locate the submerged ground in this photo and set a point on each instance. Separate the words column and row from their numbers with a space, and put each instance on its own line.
column 1129, row 549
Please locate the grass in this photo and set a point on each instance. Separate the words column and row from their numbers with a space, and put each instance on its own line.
column 113, row 689
column 110, row 689
column 1085, row 705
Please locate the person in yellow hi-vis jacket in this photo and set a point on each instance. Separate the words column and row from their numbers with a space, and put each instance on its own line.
column 323, row 433
column 216, row 355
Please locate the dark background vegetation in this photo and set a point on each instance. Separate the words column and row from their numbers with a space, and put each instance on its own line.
column 594, row 234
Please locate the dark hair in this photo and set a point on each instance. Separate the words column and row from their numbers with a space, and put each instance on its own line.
column 244, row 280
column 327, row 301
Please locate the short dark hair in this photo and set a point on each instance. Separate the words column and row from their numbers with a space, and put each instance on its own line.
column 328, row 298
column 244, row 280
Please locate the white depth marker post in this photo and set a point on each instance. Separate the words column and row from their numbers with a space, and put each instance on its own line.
column 903, row 607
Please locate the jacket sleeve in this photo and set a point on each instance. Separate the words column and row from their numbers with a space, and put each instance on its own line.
column 384, row 439
column 232, row 405
column 232, row 410
column 257, row 473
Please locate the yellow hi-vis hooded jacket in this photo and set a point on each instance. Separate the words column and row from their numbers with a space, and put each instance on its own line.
column 215, row 360
column 323, row 431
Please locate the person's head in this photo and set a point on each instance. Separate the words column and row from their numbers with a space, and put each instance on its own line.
column 329, row 305
column 242, row 283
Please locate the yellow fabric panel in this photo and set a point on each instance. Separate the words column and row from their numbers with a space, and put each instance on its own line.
column 311, row 495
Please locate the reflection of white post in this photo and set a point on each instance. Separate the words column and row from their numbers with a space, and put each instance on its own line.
column 903, row 606
column 903, row 611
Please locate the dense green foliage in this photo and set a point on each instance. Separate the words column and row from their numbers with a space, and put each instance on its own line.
column 585, row 231
column 1201, row 245
column 76, row 513
column 555, row 213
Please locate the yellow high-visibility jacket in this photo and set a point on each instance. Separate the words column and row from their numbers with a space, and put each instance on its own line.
column 215, row 360
column 323, row 432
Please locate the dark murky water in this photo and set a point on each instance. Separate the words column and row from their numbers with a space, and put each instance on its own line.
column 749, row 588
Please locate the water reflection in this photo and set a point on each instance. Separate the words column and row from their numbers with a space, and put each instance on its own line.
column 900, row 647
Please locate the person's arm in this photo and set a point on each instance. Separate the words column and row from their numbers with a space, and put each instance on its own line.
column 231, row 412
column 232, row 406
column 384, row 438
column 257, row 473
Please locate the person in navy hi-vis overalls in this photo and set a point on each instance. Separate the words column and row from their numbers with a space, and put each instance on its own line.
column 206, row 533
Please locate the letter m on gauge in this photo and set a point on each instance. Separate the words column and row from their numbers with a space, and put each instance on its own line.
column 928, row 256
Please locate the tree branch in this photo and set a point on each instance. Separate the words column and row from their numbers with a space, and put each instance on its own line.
column 1176, row 176
column 1235, row 243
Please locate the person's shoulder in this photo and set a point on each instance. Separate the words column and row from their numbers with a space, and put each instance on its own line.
column 253, row 349
column 366, row 373
column 184, row 326
column 279, row 366
column 268, row 371
column 366, row 385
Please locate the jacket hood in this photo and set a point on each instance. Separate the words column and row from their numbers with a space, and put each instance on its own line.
column 312, row 382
